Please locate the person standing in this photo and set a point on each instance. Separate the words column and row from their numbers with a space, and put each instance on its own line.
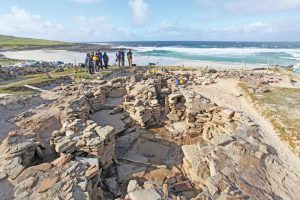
column 105, row 60
column 129, row 57
column 100, row 59
column 123, row 58
column 89, row 63
column 118, row 58
column 95, row 62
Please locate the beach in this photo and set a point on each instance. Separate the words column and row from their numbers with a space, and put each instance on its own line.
column 219, row 55
column 139, row 60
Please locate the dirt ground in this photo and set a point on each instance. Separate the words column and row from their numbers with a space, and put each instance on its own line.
column 226, row 93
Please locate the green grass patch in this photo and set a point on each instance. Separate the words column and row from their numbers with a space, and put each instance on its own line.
column 18, row 88
column 10, row 42
column 282, row 107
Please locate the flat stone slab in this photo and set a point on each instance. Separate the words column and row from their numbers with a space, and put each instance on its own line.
column 222, row 140
column 105, row 132
column 191, row 153
column 104, row 118
column 150, row 194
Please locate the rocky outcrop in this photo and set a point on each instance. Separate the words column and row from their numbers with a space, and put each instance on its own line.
column 61, row 179
column 141, row 103
column 85, row 138
column 18, row 153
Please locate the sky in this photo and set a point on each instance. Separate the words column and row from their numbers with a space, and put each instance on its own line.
column 152, row 20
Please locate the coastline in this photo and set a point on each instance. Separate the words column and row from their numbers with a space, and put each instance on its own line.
column 67, row 56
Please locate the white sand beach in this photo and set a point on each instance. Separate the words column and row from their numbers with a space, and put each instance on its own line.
column 77, row 57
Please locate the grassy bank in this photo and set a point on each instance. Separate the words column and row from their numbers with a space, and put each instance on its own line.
column 17, row 86
column 8, row 61
column 17, row 43
column 282, row 107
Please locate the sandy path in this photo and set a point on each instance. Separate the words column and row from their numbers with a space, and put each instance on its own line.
column 284, row 173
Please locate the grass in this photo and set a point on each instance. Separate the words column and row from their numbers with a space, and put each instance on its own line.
column 8, row 61
column 17, row 87
column 10, row 42
column 282, row 107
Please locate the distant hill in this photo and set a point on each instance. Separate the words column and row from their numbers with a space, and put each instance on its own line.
column 18, row 43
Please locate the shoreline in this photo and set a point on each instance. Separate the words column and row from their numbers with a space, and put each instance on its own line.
column 67, row 56
column 76, row 47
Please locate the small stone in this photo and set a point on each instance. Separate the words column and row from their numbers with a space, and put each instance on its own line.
column 222, row 140
column 150, row 194
column 47, row 184
column 105, row 132
column 91, row 172
column 228, row 113
column 2, row 176
column 43, row 167
column 132, row 186
column 153, row 184
column 62, row 160
column 113, row 186
column 81, row 143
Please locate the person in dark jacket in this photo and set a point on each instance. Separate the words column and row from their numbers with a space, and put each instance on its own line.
column 105, row 60
column 89, row 63
column 122, row 58
column 100, row 59
column 118, row 58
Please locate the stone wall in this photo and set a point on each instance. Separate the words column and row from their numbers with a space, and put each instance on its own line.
column 81, row 138
column 141, row 103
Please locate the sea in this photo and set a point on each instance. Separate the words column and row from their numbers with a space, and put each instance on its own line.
column 203, row 53
column 184, row 53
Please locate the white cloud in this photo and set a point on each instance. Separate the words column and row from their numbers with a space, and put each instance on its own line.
column 98, row 29
column 20, row 22
column 285, row 30
column 250, row 6
column 140, row 11
column 258, row 6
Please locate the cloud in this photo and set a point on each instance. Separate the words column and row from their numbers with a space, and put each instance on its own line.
column 98, row 28
column 140, row 11
column 258, row 6
column 284, row 30
column 243, row 7
column 168, row 29
column 20, row 22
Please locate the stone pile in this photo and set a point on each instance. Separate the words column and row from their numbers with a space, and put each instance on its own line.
column 60, row 179
column 201, row 117
column 86, row 138
column 23, row 69
column 96, row 100
column 76, row 108
column 141, row 103
column 205, row 79
column 18, row 152
column 228, row 166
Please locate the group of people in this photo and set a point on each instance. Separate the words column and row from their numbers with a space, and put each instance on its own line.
column 95, row 61
column 120, row 58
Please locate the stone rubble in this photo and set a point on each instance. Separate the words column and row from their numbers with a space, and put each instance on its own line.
column 220, row 151
column 141, row 102
column 81, row 138
column 70, row 180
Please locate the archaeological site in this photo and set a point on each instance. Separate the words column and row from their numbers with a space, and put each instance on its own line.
column 136, row 134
